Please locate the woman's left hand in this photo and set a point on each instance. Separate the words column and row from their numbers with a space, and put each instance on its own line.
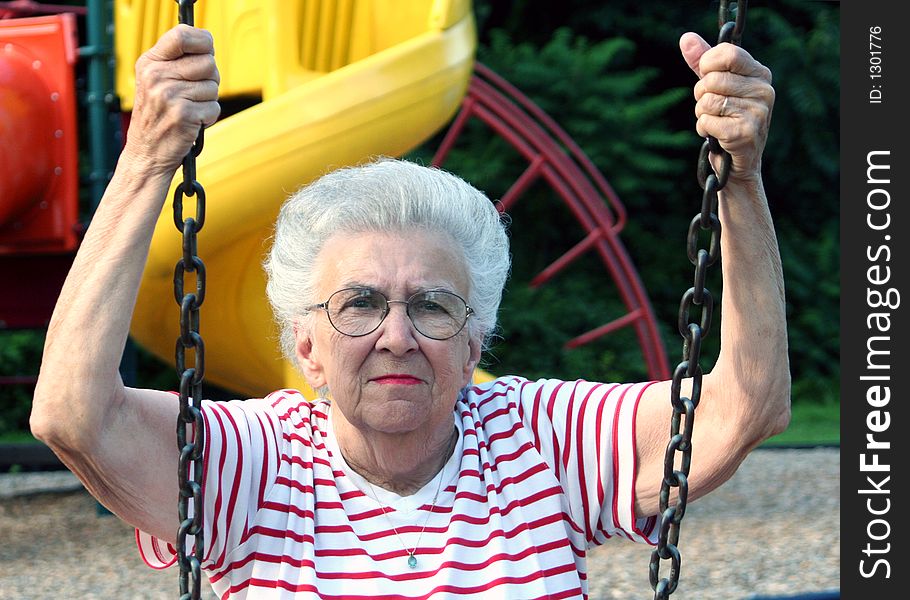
column 734, row 99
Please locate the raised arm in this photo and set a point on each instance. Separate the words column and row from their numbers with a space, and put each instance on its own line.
column 121, row 442
column 746, row 397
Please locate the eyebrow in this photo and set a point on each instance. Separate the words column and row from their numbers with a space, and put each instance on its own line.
column 356, row 284
column 361, row 285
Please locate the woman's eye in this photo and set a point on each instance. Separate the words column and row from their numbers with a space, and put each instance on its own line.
column 364, row 302
column 428, row 306
column 361, row 301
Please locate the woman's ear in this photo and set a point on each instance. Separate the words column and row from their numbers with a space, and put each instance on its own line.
column 471, row 361
column 308, row 358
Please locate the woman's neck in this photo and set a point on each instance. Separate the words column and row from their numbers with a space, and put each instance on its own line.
column 402, row 464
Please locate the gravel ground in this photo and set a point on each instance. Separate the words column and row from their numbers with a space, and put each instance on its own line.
column 773, row 529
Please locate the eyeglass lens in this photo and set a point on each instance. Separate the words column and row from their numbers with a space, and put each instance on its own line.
column 437, row 314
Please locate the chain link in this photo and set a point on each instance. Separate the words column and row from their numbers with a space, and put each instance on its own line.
column 692, row 329
column 189, row 469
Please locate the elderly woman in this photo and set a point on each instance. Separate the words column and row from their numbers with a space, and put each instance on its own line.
column 403, row 478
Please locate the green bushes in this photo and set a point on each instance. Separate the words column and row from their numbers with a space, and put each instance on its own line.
column 20, row 356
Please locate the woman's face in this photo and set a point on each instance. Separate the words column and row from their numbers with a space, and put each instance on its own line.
column 393, row 380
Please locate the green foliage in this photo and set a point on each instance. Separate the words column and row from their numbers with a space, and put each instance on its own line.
column 20, row 356
column 813, row 298
column 607, row 102
column 801, row 47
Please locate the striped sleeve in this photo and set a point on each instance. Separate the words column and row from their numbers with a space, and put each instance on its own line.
column 239, row 466
column 585, row 432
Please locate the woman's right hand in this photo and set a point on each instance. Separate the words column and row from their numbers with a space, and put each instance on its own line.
column 176, row 93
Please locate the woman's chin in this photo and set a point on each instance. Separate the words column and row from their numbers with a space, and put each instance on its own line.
column 395, row 417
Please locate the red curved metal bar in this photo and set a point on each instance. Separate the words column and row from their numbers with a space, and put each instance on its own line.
column 554, row 157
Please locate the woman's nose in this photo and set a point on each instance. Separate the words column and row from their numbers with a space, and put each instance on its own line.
column 397, row 332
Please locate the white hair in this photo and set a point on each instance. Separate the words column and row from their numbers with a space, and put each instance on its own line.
column 386, row 195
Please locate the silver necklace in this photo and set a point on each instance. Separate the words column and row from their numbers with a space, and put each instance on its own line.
column 412, row 559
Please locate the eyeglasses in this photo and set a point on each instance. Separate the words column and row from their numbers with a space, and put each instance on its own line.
column 436, row 314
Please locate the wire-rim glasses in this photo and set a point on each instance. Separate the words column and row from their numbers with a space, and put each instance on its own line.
column 359, row 311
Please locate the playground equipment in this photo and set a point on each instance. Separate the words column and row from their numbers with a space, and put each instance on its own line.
column 39, row 184
column 38, row 159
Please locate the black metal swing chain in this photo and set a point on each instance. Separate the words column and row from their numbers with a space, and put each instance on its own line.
column 189, row 469
column 731, row 21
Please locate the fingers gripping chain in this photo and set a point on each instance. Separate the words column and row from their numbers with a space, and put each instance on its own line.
column 692, row 329
column 189, row 469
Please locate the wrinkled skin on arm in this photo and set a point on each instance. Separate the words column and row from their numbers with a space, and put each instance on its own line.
column 119, row 441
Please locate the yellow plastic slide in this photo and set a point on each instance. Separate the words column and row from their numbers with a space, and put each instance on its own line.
column 340, row 81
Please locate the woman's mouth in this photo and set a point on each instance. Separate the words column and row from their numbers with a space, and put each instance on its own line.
column 397, row 379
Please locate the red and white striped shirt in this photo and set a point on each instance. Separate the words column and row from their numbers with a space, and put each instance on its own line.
column 542, row 471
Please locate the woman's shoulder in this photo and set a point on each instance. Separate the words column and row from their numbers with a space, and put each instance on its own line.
column 499, row 386
column 494, row 394
column 510, row 385
column 292, row 406
column 284, row 405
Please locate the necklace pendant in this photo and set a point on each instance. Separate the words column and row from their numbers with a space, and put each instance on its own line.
column 412, row 561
